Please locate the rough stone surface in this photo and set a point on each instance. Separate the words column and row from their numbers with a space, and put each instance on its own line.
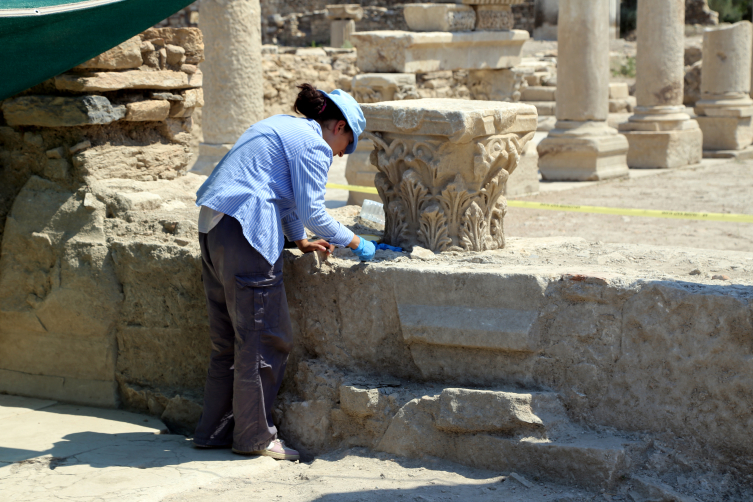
column 406, row 52
column 450, row 195
column 132, row 162
column 469, row 411
column 494, row 17
column 122, row 57
column 497, row 85
column 439, row 17
column 52, row 111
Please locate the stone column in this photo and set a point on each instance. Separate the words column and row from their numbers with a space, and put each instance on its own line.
column 582, row 147
column 725, row 108
column 660, row 133
column 343, row 23
column 233, row 81
column 443, row 165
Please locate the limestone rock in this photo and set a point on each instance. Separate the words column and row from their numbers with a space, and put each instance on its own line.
column 439, row 17
column 192, row 98
column 358, row 402
column 132, row 162
column 57, row 169
column 134, row 79
column 147, row 111
column 470, row 411
column 407, row 52
column 181, row 415
column 122, row 57
column 176, row 55
column 190, row 39
column 139, row 201
column 51, row 111
column 308, row 424
column 377, row 87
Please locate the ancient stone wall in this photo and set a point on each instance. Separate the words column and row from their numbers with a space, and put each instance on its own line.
column 93, row 166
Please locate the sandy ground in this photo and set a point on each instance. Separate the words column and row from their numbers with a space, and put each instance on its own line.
column 718, row 186
column 51, row 451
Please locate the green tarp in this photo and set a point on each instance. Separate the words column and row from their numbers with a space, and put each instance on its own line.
column 44, row 38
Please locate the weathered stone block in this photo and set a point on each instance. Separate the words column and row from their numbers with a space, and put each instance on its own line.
column 539, row 93
column 494, row 17
column 359, row 402
column 134, row 79
column 407, row 52
column 618, row 90
column 497, row 85
column 123, row 57
column 378, row 87
column 665, row 149
column 726, row 133
column 146, row 111
column 176, row 55
column 439, row 17
column 471, row 411
column 145, row 163
column 51, row 111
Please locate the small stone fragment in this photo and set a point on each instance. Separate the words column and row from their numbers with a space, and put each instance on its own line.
column 720, row 277
column 80, row 147
column 696, row 271
column 147, row 46
column 167, row 96
column 90, row 202
column 34, row 139
column 175, row 55
column 420, row 253
column 56, row 153
column 182, row 242
column 188, row 68
column 520, row 479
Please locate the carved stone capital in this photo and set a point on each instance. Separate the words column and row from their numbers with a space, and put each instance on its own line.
column 443, row 166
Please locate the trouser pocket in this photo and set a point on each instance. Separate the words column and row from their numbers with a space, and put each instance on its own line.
column 258, row 301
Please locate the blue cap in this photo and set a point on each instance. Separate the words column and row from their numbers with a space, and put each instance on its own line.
column 352, row 113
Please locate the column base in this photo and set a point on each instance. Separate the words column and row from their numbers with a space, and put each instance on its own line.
column 209, row 156
column 662, row 144
column 583, row 151
column 726, row 133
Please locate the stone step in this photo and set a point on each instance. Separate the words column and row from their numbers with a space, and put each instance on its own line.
column 538, row 93
column 508, row 431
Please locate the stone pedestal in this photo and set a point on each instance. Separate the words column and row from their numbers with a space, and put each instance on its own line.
column 582, row 147
column 341, row 31
column 660, row 133
column 343, row 23
column 378, row 87
column 233, row 82
column 443, row 165
column 409, row 52
column 725, row 109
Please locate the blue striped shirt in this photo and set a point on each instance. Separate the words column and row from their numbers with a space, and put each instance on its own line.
column 273, row 182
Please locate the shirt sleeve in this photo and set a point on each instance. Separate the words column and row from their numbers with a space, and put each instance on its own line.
column 293, row 228
column 308, row 172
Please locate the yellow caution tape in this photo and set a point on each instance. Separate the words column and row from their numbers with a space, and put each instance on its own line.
column 649, row 213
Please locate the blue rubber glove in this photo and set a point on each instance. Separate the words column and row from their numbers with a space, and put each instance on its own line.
column 365, row 250
column 387, row 247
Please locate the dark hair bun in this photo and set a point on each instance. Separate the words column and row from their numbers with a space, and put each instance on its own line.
column 309, row 102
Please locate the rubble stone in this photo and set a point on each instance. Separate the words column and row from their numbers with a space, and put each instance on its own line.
column 56, row 111
column 470, row 411
column 145, row 111
column 122, row 57
column 439, row 17
column 115, row 81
